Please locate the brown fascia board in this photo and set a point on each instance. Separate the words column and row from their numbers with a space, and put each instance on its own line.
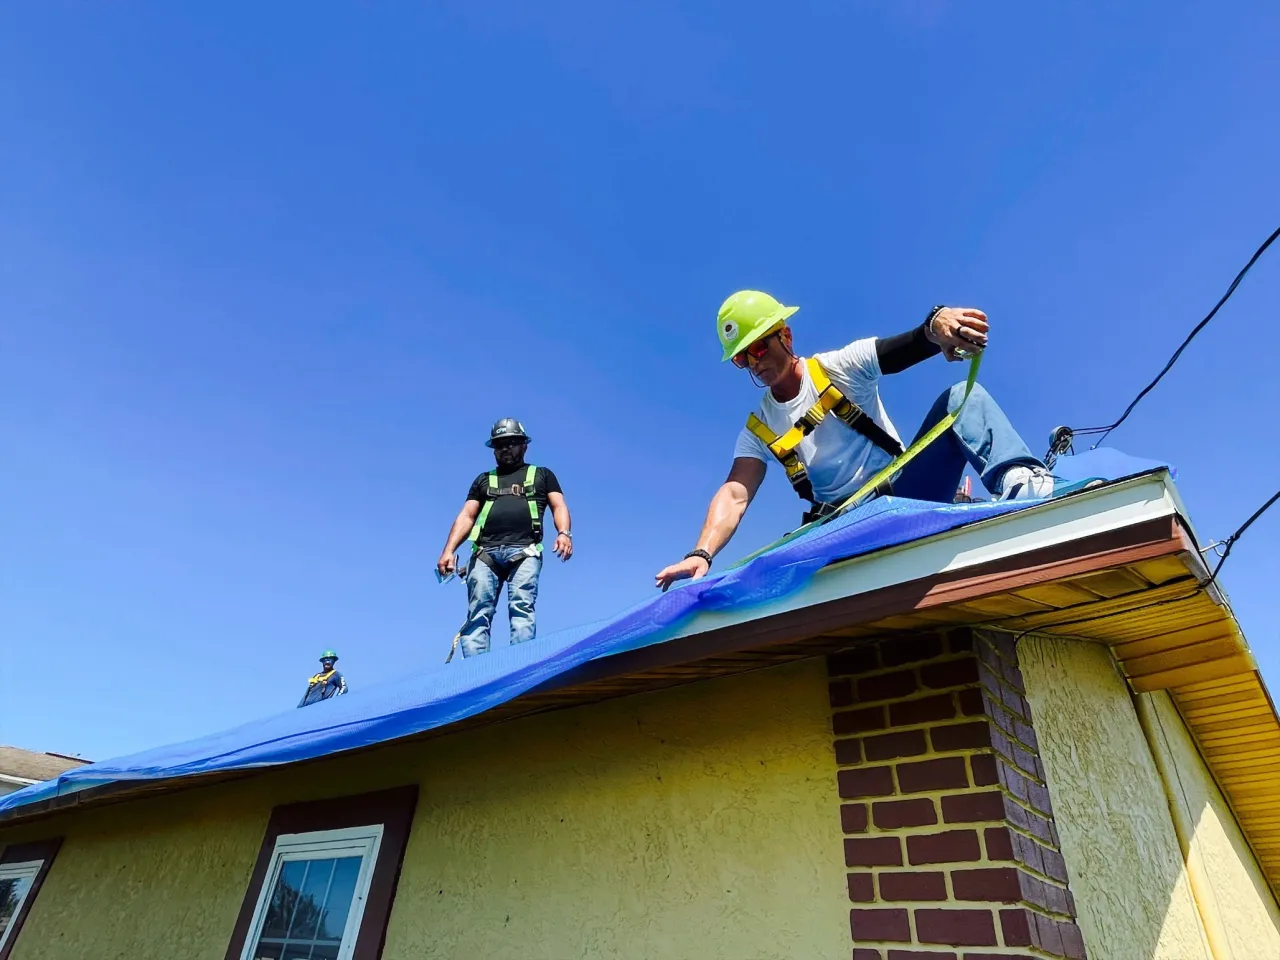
column 1135, row 543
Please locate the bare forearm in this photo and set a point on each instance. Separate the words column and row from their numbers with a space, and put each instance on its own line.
column 560, row 514
column 723, row 516
column 458, row 532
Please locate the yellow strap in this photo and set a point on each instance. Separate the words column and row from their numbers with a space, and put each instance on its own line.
column 898, row 462
column 828, row 398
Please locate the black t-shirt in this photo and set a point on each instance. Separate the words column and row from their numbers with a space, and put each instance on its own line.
column 509, row 523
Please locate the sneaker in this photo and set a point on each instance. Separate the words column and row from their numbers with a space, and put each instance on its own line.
column 1026, row 483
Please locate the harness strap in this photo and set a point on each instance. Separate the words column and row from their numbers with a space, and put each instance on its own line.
column 830, row 400
column 525, row 489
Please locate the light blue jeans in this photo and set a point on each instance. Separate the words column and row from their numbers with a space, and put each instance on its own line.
column 483, row 587
column 982, row 436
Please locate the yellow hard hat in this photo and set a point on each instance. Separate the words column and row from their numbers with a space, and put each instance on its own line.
column 747, row 316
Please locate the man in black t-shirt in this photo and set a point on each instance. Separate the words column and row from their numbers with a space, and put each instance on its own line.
column 503, row 516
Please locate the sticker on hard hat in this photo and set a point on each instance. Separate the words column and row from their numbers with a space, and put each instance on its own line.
column 729, row 330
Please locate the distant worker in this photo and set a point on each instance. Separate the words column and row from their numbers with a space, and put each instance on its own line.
column 843, row 439
column 503, row 516
column 325, row 684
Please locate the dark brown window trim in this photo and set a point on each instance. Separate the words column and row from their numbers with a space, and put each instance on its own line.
column 391, row 808
column 43, row 850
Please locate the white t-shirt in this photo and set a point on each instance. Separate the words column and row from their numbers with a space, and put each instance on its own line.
column 839, row 459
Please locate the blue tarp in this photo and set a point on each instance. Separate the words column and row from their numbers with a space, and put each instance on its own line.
column 442, row 695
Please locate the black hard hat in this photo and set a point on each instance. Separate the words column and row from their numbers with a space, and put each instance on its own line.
column 507, row 427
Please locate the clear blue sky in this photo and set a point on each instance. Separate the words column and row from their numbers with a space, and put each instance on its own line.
column 268, row 273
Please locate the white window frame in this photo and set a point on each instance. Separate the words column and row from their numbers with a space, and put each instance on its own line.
column 18, row 871
column 321, row 845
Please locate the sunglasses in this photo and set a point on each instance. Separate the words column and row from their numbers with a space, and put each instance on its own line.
column 756, row 351
column 506, row 444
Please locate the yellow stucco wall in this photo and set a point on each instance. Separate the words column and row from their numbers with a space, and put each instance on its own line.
column 1127, row 871
column 1233, row 888
column 699, row 822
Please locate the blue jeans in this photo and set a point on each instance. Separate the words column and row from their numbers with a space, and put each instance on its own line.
column 483, row 586
column 982, row 436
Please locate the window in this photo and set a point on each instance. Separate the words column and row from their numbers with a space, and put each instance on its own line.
column 317, row 890
column 325, row 879
column 16, row 880
column 23, row 868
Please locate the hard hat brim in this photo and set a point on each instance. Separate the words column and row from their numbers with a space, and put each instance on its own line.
column 765, row 327
column 510, row 436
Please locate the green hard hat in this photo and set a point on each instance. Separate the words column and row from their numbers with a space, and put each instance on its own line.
column 329, row 655
column 746, row 317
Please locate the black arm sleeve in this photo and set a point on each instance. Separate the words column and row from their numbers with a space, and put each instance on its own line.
column 904, row 350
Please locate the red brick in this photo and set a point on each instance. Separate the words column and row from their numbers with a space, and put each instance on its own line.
column 1055, row 898
column 989, row 677
column 891, row 924
column 1012, row 676
column 970, row 955
column 925, row 710
column 865, row 782
column 986, row 652
column 956, row 928
column 971, row 704
column 872, row 852
column 900, row 650
column 960, row 640
column 1017, row 927
column 1071, row 904
column 991, row 884
column 1013, row 700
column 889, row 746
column 951, row 673
column 853, row 817
column 1002, row 719
column 866, row 953
column 892, row 814
column 1025, row 734
column 858, row 721
column 840, row 693
column 887, row 686
column 999, row 741
column 1017, row 815
column 1028, row 852
column 944, row 773
column 862, row 888
column 961, row 736
column 1040, row 828
column 913, row 886
column 1038, row 797
column 1072, row 941
column 973, row 807
column 986, row 773
column 1004, row 645
column 855, row 660
column 920, row 955
column 1054, row 865
column 1048, row 934
column 1018, row 785
column 953, row 846
column 848, row 751
column 999, row 843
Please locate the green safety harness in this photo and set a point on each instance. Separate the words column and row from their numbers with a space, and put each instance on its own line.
column 526, row 490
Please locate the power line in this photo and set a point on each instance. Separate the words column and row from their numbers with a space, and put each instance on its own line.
column 1104, row 431
column 1228, row 543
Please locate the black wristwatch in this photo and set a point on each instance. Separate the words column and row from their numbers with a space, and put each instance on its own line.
column 700, row 553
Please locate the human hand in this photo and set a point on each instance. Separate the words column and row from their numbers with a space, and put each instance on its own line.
column 563, row 547
column 446, row 564
column 688, row 568
column 959, row 328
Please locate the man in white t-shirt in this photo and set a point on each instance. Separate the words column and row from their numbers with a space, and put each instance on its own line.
column 830, row 456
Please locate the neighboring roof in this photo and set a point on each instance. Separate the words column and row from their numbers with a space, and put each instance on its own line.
column 1116, row 564
column 29, row 765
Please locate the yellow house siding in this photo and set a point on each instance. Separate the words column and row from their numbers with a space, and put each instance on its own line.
column 700, row 823
column 1233, row 890
column 1127, row 872
column 697, row 822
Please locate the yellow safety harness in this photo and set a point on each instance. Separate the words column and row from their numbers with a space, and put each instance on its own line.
column 830, row 401
column 320, row 678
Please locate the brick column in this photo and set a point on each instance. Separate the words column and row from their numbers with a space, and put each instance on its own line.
column 949, row 834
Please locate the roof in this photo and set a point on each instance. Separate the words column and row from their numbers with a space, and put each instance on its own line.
column 1117, row 564
column 29, row 765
